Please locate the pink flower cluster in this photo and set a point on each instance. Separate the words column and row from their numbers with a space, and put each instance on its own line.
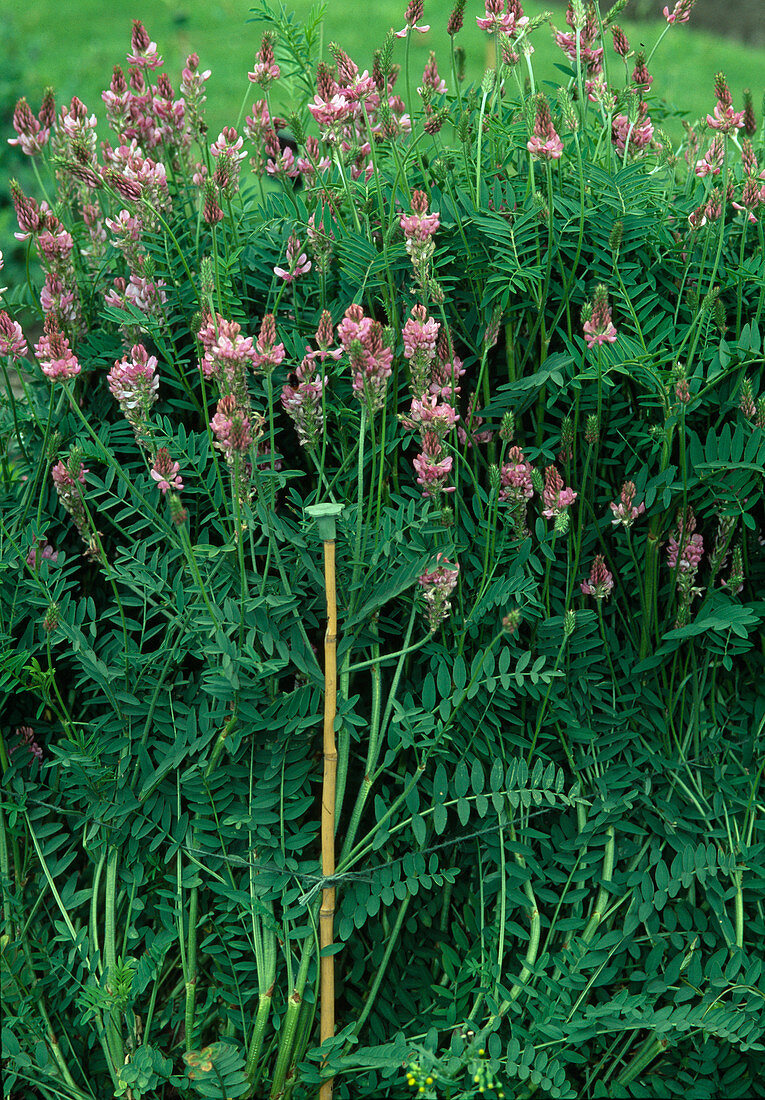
column 545, row 143
column 67, row 487
column 56, row 358
column 598, row 328
column 589, row 55
column 555, row 496
column 685, row 549
column 45, row 553
column 134, row 383
column 724, row 118
column 33, row 133
column 265, row 70
column 681, row 12
column 516, row 489
column 438, row 586
column 625, row 512
column 228, row 154
column 298, row 262
column 12, row 340
column 633, row 136
column 302, row 400
column 165, row 472
column 370, row 357
column 268, row 352
column 414, row 13
column 27, row 735
column 712, row 161
column 600, row 581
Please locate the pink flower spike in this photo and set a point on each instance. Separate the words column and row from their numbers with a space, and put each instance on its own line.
column 681, row 12
column 12, row 340
column 166, row 472
column 545, row 144
column 299, row 263
column 414, row 13
column 438, row 586
column 624, row 511
column 599, row 329
column 555, row 496
column 600, row 581
column 56, row 358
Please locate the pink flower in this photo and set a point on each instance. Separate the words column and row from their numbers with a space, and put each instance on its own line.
column 144, row 54
column 625, row 512
column 724, row 118
column 166, row 472
column 713, row 158
column 600, row 580
column 268, row 354
column 681, row 12
column 12, row 340
column 265, row 70
column 47, row 553
column 231, row 429
column 370, row 357
column 134, row 383
column 428, row 415
column 555, row 497
column 298, row 262
column 515, row 477
column 56, row 358
column 433, row 466
column 32, row 135
column 639, row 134
column 438, row 586
column 303, row 403
column 27, row 735
column 685, row 549
column 500, row 17
column 419, row 225
column 414, row 13
column 420, row 333
column 545, row 143
column 598, row 329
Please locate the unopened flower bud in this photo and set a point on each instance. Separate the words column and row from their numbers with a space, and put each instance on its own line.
column 507, row 428
column 562, row 522
column 511, row 621
column 52, row 618
column 447, row 516
column 178, row 513
column 615, row 236
column 494, row 479
column 759, row 419
column 569, row 624
column 746, row 400
column 537, row 481
column 487, row 84
column 592, row 430
column 206, row 279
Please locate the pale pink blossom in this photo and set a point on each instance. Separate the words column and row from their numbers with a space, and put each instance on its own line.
column 639, row 134
column 625, row 512
column 134, row 383
column 713, row 159
column 438, row 585
column 681, row 12
column 420, row 333
column 268, row 353
column 500, row 18
column 600, row 582
column 12, row 340
column 165, row 472
column 555, row 496
column 299, row 264
column 144, row 54
column 427, row 414
column 545, row 144
column 599, row 329
column 433, row 466
column 414, row 13
column 56, row 358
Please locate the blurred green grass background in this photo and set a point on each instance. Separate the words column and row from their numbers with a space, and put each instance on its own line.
column 74, row 46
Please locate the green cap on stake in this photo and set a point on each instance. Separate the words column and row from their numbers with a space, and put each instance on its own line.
column 325, row 516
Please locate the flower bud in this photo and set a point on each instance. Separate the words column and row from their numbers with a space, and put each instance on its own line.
column 52, row 618
column 494, row 480
column 569, row 624
column 537, row 481
column 178, row 513
column 507, row 428
column 562, row 522
column 511, row 621
column 592, row 430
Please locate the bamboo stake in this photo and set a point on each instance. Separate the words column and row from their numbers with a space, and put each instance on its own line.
column 325, row 515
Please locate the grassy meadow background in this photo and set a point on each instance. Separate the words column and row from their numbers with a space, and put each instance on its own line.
column 74, row 47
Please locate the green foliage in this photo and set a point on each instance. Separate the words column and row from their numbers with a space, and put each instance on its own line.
column 549, row 864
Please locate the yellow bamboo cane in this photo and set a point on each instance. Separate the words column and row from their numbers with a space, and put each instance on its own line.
column 325, row 515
